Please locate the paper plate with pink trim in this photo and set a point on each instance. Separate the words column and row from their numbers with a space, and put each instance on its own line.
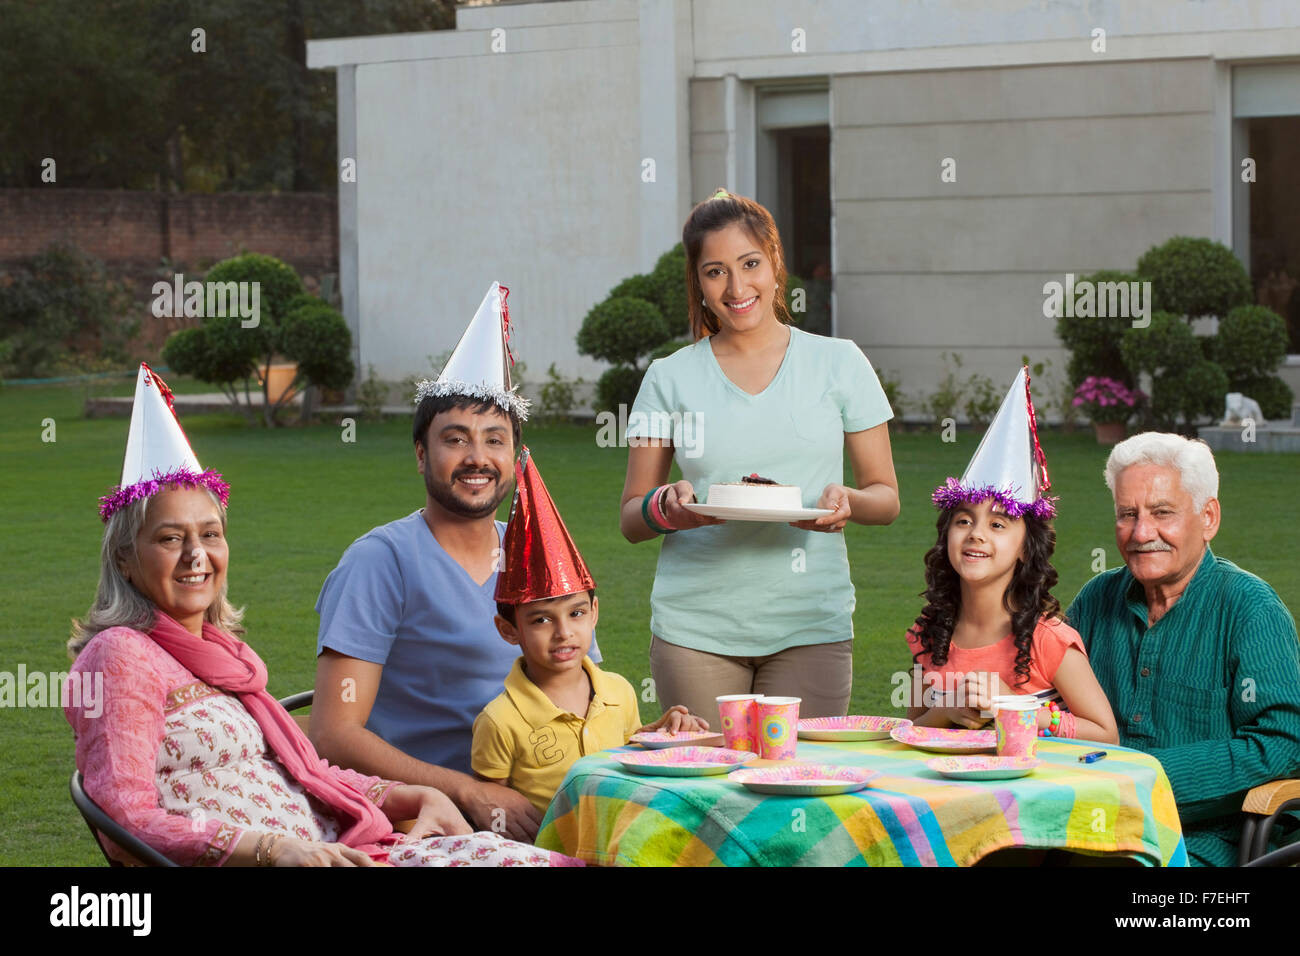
column 804, row 779
column 657, row 740
column 947, row 740
column 683, row 761
column 849, row 728
column 980, row 767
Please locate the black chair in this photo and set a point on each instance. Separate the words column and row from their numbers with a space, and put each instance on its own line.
column 100, row 822
column 1287, row 856
column 1261, row 809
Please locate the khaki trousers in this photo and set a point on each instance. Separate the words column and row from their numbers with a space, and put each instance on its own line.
column 820, row 674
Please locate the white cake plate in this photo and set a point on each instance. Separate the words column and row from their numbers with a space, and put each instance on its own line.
column 735, row 513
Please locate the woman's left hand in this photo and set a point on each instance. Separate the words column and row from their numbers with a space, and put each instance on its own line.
column 438, row 816
column 835, row 497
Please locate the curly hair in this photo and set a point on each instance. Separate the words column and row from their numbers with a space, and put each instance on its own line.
column 1028, row 596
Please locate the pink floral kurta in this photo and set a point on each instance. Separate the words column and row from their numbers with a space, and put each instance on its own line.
column 184, row 766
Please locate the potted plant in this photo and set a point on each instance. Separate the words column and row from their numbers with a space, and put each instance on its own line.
column 1109, row 403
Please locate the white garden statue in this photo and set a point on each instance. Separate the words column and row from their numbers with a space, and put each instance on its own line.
column 1238, row 407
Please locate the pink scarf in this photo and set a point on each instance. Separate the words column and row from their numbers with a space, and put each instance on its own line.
column 231, row 665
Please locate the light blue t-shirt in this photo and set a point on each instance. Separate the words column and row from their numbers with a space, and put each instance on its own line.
column 746, row 588
column 399, row 600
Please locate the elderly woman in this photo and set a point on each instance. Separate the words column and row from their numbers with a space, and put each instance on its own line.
column 191, row 753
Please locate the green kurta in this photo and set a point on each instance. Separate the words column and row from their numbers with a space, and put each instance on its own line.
column 1212, row 690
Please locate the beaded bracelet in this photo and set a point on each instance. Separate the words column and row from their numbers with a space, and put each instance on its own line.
column 1054, row 726
column 646, row 504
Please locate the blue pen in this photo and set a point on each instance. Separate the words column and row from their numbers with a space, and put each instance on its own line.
column 1093, row 757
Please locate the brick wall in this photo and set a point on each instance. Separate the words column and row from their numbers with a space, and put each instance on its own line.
column 133, row 231
column 194, row 230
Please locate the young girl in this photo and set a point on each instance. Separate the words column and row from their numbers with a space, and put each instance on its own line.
column 990, row 625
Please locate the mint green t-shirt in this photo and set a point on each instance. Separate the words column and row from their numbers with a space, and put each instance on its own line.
column 745, row 588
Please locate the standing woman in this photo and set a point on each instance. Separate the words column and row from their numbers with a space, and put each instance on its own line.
column 746, row 607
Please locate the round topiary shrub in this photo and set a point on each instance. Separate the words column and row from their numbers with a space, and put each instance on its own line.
column 1194, row 277
column 1183, row 380
column 618, row 386
column 1195, row 391
column 1168, row 343
column 278, row 284
column 1251, row 343
column 289, row 324
column 668, row 282
column 636, row 287
column 316, row 336
column 219, row 351
column 1094, row 342
column 621, row 329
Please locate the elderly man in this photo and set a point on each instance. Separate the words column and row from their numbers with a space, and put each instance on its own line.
column 1199, row 658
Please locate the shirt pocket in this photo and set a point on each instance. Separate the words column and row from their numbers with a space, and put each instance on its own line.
column 1187, row 713
column 818, row 423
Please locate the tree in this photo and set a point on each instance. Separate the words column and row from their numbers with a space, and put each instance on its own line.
column 117, row 94
column 290, row 324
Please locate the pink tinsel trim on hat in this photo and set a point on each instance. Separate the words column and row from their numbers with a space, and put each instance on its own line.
column 952, row 494
column 120, row 497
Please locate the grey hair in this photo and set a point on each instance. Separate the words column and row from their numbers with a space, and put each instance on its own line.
column 117, row 603
column 1191, row 458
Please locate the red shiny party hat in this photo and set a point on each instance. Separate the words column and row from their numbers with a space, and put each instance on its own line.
column 541, row 560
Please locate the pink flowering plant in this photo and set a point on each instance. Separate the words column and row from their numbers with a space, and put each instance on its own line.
column 1107, row 400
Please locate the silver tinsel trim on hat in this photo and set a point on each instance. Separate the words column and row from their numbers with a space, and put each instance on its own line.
column 508, row 401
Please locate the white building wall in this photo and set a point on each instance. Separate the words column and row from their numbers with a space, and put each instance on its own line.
column 521, row 166
column 1058, row 169
column 526, row 165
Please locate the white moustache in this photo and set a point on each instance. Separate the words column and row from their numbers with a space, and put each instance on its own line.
column 1152, row 546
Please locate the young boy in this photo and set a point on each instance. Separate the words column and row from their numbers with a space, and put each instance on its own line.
column 557, row 705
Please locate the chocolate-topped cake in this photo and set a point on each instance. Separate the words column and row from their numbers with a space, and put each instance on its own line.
column 754, row 491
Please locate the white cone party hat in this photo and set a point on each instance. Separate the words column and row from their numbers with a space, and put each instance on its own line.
column 480, row 365
column 157, row 452
column 1009, row 465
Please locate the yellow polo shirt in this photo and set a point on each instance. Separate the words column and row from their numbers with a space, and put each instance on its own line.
column 522, row 739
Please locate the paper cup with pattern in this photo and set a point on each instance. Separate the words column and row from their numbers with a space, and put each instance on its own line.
column 1017, row 725
column 778, row 727
column 739, row 716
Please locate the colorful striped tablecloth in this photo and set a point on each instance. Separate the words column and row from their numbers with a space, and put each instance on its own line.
column 908, row 816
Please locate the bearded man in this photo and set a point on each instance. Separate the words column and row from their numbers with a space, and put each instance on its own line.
column 407, row 652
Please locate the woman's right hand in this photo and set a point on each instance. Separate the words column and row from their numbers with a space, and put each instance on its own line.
column 290, row 851
column 681, row 517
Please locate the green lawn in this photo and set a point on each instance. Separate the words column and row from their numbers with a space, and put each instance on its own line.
column 300, row 496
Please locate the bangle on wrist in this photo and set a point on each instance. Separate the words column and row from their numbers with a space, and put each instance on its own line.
column 658, row 508
column 274, row 838
column 649, row 508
